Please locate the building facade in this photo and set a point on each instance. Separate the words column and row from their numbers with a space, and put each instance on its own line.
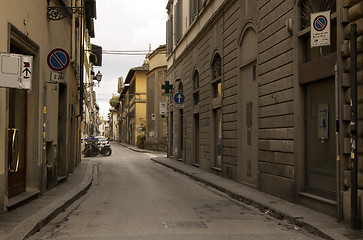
column 90, row 118
column 260, row 105
column 156, row 104
column 114, row 125
column 133, row 104
column 40, row 126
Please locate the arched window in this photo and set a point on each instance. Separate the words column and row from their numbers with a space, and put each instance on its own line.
column 217, row 110
column 181, row 88
column 217, row 76
column 196, row 87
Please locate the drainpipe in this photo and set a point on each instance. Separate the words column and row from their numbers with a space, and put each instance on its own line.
column 337, row 144
column 337, row 140
column 44, row 160
column 81, row 64
column 354, row 127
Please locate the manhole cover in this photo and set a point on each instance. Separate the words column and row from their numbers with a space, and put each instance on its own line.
column 188, row 224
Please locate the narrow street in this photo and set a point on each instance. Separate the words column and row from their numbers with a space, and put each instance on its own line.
column 135, row 198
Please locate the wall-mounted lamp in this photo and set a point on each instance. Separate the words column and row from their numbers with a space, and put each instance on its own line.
column 98, row 77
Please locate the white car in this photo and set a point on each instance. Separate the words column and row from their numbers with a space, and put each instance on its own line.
column 103, row 141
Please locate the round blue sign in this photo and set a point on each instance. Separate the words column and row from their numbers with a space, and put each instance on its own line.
column 58, row 59
column 179, row 98
column 320, row 23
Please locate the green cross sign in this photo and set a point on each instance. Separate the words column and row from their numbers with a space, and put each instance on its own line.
column 167, row 86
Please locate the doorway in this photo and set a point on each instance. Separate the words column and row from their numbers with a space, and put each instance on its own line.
column 62, row 132
column 248, row 149
column 181, row 134
column 320, row 139
column 17, row 134
column 248, row 106
column 196, row 144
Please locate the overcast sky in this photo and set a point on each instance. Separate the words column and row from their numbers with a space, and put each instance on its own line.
column 123, row 26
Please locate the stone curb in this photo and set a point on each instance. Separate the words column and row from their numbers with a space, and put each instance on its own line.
column 261, row 206
column 34, row 223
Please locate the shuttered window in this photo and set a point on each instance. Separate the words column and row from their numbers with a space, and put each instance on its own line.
column 195, row 7
column 169, row 35
column 178, row 21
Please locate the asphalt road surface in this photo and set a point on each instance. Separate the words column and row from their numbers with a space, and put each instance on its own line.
column 135, row 198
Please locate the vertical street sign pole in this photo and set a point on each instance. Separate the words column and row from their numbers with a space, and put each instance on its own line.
column 44, row 160
column 337, row 144
column 354, row 155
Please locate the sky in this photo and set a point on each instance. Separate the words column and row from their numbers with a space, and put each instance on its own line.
column 123, row 25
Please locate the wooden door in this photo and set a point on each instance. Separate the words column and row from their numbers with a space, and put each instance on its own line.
column 249, row 125
column 17, row 142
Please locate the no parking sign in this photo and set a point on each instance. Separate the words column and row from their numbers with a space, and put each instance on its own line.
column 58, row 59
column 320, row 29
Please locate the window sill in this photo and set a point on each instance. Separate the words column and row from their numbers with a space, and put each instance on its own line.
column 217, row 102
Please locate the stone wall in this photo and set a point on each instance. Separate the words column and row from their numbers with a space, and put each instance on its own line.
column 276, row 99
column 354, row 14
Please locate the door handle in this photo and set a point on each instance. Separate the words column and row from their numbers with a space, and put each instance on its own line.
column 14, row 164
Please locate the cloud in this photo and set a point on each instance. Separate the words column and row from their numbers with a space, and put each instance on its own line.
column 125, row 25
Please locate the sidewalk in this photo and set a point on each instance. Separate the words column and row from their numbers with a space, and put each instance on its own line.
column 25, row 220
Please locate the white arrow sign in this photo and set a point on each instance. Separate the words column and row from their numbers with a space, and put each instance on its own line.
column 16, row 71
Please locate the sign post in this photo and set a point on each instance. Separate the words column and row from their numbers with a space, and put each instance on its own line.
column 179, row 99
column 168, row 88
column 320, row 29
column 16, row 71
column 58, row 59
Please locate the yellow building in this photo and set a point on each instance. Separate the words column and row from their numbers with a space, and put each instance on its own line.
column 40, row 122
column 134, row 123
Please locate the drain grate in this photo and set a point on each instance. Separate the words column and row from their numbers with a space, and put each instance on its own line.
column 188, row 224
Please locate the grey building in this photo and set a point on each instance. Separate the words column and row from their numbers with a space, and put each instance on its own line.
column 156, row 104
column 260, row 104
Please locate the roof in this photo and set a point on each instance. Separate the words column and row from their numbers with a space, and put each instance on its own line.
column 144, row 67
column 161, row 48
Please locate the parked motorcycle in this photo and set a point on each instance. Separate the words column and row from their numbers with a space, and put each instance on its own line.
column 92, row 148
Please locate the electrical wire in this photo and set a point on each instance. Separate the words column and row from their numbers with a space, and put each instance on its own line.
column 130, row 52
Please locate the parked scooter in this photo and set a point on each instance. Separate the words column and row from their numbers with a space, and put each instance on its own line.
column 92, row 148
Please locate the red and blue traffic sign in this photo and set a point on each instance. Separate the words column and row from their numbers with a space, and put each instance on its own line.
column 58, row 59
column 320, row 23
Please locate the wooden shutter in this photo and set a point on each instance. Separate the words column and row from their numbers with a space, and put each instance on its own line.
column 178, row 21
column 169, row 35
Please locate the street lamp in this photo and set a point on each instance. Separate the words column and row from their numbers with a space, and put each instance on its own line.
column 98, row 77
